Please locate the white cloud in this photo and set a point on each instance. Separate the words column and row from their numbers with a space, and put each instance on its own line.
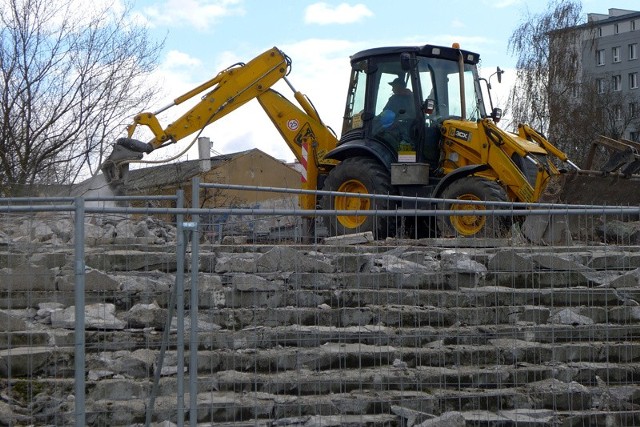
column 323, row 14
column 505, row 3
column 177, row 59
column 199, row 14
column 456, row 23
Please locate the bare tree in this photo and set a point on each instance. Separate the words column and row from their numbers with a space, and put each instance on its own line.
column 544, row 74
column 553, row 93
column 70, row 75
column 596, row 110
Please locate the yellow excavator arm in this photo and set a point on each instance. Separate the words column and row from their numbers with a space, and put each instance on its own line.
column 232, row 88
column 301, row 127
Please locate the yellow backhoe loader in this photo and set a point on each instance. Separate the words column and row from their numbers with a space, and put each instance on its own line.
column 415, row 124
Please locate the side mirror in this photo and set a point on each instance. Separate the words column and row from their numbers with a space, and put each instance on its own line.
column 429, row 106
column 496, row 114
column 405, row 61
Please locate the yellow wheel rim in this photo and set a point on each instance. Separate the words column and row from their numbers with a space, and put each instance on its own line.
column 352, row 203
column 467, row 225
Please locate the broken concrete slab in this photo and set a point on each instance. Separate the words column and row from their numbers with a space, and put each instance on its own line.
column 24, row 361
column 146, row 316
column 236, row 263
column 97, row 316
column 567, row 316
column 448, row 419
column 94, row 281
column 131, row 260
column 28, row 278
column 10, row 322
column 557, row 262
column 284, row 258
column 350, row 239
column 253, row 283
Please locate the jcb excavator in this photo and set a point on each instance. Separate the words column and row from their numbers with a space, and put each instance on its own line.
column 415, row 124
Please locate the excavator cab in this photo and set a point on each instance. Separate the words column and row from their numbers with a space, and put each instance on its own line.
column 399, row 96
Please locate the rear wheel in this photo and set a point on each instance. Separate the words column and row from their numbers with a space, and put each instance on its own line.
column 363, row 176
column 474, row 189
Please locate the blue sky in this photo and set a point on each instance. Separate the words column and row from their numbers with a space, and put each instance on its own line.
column 203, row 37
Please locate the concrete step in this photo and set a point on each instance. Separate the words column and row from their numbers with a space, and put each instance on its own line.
column 541, row 403
column 310, row 336
column 502, row 407
column 621, row 379
column 313, row 336
column 304, row 295
column 38, row 361
column 403, row 316
column 358, row 356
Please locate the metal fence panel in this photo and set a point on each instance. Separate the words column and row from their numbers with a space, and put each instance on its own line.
column 292, row 329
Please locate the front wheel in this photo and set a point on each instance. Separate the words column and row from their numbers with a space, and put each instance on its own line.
column 360, row 175
column 472, row 188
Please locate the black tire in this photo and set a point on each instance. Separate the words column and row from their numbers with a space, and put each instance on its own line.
column 477, row 189
column 359, row 175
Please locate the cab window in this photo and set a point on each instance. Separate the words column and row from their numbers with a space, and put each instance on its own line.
column 355, row 101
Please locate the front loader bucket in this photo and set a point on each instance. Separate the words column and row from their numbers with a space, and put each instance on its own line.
column 598, row 188
column 615, row 184
column 587, row 189
column 116, row 166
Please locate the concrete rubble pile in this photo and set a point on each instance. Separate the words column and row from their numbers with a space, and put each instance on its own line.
column 387, row 333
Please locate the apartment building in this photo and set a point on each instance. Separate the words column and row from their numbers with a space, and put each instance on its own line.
column 610, row 57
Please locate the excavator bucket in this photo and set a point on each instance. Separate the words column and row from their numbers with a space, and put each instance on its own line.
column 599, row 188
column 116, row 167
column 615, row 183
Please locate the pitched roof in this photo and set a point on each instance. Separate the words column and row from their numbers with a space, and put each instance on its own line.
column 174, row 173
column 164, row 175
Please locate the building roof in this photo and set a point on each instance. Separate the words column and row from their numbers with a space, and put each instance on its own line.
column 614, row 15
column 168, row 174
column 597, row 19
column 164, row 175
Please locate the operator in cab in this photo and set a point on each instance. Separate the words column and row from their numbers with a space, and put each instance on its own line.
column 401, row 102
column 392, row 124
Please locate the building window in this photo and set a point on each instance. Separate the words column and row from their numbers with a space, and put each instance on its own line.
column 633, row 80
column 600, row 83
column 615, row 53
column 616, row 28
column 632, row 25
column 599, row 31
column 633, row 109
column 635, row 136
column 617, row 83
column 600, row 57
column 575, row 90
column 617, row 112
column 633, row 51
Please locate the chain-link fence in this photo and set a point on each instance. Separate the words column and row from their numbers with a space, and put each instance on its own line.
column 532, row 327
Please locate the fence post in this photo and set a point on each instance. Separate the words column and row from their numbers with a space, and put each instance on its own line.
column 180, row 263
column 79, row 360
column 193, row 306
